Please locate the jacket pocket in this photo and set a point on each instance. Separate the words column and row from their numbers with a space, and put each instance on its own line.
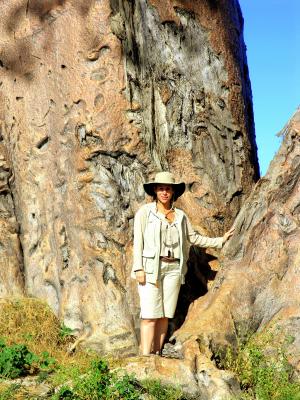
column 148, row 260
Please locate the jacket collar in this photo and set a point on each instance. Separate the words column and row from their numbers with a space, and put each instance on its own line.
column 179, row 213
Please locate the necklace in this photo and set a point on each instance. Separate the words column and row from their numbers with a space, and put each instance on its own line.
column 168, row 212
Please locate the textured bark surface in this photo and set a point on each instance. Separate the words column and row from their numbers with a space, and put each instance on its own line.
column 95, row 96
column 256, row 290
column 258, row 285
column 11, row 262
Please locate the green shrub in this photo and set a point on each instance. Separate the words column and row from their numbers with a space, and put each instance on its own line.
column 65, row 333
column 46, row 362
column 16, row 360
column 159, row 391
column 99, row 383
column 95, row 384
column 65, row 393
column 262, row 368
column 125, row 387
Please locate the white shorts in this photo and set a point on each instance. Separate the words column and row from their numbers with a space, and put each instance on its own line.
column 158, row 301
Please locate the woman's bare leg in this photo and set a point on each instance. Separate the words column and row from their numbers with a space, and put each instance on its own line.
column 148, row 328
column 161, row 328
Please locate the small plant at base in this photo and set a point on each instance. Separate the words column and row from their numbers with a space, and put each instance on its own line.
column 95, row 383
column 65, row 333
column 159, row 391
column 99, row 383
column 65, row 393
column 16, row 360
column 46, row 362
column 263, row 371
column 125, row 387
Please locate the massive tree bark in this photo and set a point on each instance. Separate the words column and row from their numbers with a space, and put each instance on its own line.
column 11, row 261
column 258, row 286
column 256, row 290
column 96, row 96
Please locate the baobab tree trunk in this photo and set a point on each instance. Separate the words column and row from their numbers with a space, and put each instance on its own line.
column 95, row 97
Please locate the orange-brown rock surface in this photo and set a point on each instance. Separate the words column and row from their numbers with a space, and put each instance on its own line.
column 94, row 97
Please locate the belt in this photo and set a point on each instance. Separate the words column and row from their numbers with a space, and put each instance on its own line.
column 169, row 259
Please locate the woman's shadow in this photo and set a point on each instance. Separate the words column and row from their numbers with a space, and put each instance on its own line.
column 196, row 285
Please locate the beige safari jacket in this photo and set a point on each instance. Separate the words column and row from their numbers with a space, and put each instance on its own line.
column 146, row 243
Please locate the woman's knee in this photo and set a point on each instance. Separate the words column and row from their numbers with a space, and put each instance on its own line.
column 149, row 322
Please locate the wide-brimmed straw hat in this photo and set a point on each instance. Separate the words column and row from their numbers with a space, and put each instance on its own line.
column 165, row 178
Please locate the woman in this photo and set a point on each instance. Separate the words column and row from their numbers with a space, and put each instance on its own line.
column 162, row 234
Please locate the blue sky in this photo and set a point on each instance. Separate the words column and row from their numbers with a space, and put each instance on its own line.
column 272, row 37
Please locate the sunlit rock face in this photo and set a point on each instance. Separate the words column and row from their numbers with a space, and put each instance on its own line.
column 95, row 97
column 258, row 286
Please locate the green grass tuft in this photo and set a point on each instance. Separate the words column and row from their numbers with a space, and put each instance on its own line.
column 262, row 368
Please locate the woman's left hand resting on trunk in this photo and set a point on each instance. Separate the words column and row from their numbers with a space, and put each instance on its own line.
column 228, row 234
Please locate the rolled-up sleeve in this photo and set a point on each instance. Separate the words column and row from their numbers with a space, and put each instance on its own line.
column 138, row 239
column 202, row 241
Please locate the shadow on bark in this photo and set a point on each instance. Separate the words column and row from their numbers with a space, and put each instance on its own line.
column 18, row 57
column 196, row 285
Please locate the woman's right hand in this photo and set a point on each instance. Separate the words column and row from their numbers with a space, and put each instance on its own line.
column 141, row 277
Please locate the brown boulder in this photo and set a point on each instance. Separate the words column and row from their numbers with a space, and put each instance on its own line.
column 196, row 375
